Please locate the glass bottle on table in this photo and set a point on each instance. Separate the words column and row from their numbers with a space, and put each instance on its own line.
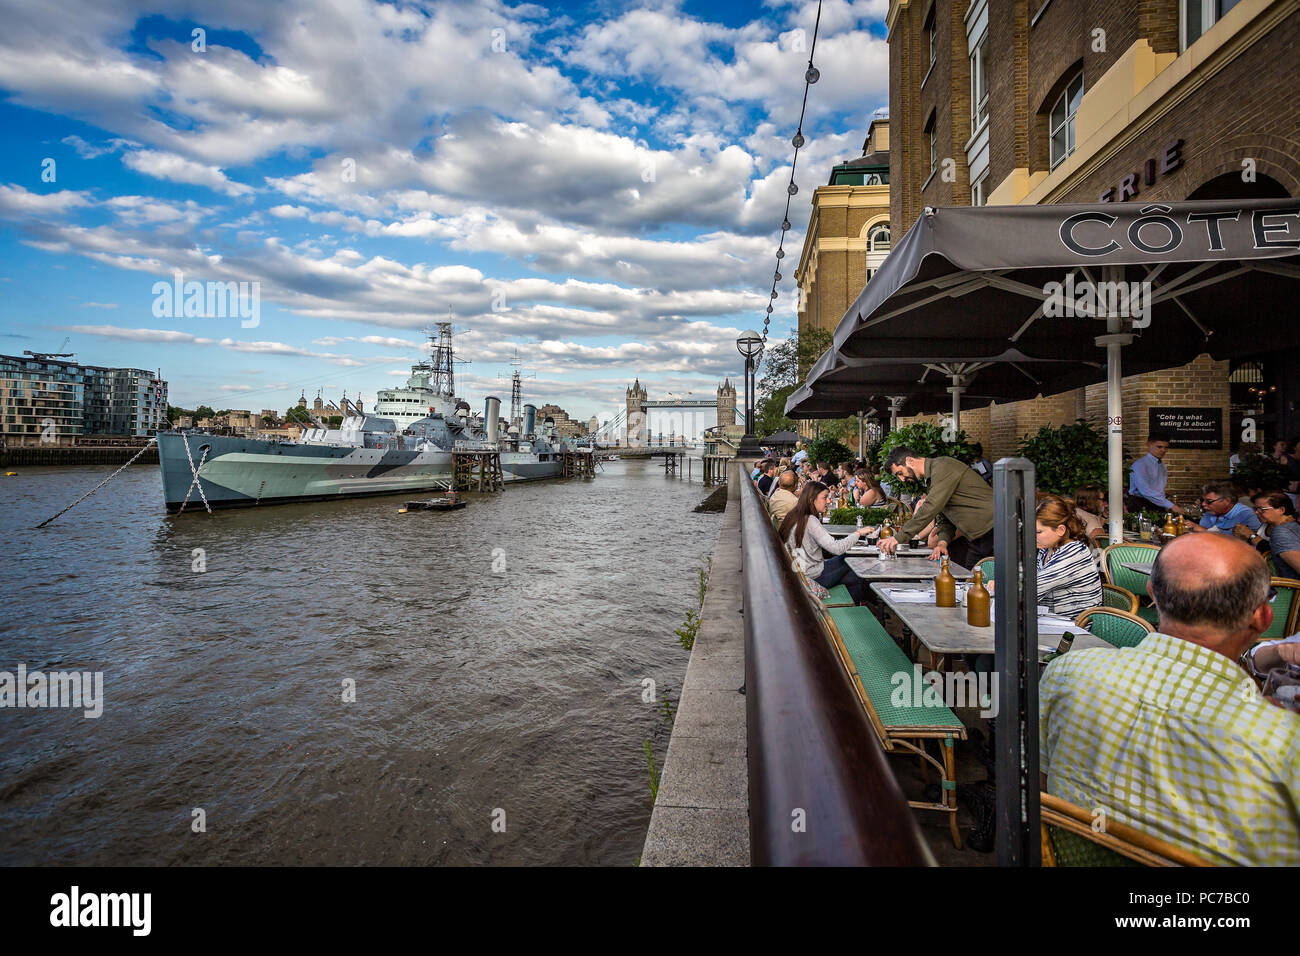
column 978, row 602
column 1171, row 527
column 945, row 586
column 1144, row 526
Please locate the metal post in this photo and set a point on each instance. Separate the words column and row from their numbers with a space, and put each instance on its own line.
column 895, row 403
column 862, row 436
column 1114, row 340
column 958, row 386
column 1015, row 663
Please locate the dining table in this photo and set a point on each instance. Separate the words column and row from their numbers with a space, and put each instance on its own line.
column 944, row 631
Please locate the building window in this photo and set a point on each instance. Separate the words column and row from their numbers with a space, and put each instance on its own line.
column 1197, row 16
column 878, row 238
column 932, row 133
column 1062, row 121
column 979, row 82
column 932, row 36
column 977, row 195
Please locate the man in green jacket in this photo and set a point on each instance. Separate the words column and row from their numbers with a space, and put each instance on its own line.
column 957, row 498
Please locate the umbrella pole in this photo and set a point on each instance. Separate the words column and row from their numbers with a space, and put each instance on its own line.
column 862, row 436
column 956, row 391
column 1114, row 340
column 895, row 403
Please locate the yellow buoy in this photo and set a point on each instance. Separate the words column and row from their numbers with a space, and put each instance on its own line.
column 11, row 474
column 401, row 511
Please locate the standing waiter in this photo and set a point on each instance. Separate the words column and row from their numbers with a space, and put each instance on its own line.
column 957, row 498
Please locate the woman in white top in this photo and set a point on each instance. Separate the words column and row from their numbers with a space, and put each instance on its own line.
column 821, row 557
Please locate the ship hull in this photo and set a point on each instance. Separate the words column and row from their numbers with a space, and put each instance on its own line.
column 244, row 472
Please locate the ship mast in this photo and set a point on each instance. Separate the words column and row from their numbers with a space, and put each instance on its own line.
column 442, row 378
column 516, row 393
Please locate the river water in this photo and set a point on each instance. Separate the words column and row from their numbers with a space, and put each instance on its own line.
column 498, row 654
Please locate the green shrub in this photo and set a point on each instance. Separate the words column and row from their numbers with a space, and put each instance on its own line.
column 1066, row 458
column 828, row 450
column 870, row 516
column 927, row 440
column 1259, row 472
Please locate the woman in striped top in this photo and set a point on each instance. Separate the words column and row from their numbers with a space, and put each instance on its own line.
column 1068, row 581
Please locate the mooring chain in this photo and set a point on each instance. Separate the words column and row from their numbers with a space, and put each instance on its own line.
column 195, row 480
column 101, row 484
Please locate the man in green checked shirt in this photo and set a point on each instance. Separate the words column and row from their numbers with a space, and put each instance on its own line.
column 1172, row 737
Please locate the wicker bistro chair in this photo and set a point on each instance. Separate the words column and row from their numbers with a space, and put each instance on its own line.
column 871, row 659
column 986, row 568
column 1122, row 599
column 1114, row 626
column 1286, row 608
column 1135, row 582
column 1070, row 840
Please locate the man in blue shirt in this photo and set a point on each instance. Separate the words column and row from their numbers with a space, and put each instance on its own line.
column 1222, row 510
column 800, row 453
column 1150, row 477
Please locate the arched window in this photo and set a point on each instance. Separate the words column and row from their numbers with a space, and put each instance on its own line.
column 878, row 238
column 1061, row 121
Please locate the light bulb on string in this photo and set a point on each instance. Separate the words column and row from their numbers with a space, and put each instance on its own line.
column 813, row 74
column 798, row 140
column 780, row 253
column 785, row 226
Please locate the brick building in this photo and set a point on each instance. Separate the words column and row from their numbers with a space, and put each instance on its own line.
column 1057, row 101
column 848, row 233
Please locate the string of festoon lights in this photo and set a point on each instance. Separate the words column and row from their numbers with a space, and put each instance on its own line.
column 811, row 76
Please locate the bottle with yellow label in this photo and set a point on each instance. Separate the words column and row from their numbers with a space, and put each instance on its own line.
column 945, row 586
column 978, row 602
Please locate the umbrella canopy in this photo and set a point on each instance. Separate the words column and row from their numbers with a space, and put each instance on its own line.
column 1009, row 375
column 1210, row 268
column 1163, row 281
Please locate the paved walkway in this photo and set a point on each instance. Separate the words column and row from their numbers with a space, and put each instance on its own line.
column 701, row 817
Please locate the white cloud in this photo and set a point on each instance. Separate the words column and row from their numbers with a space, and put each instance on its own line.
column 178, row 169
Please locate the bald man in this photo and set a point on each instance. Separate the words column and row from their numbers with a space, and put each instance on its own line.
column 783, row 496
column 1172, row 737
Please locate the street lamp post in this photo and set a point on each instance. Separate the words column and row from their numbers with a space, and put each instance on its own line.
column 750, row 345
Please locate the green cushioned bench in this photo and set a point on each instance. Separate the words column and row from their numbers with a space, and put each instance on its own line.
column 872, row 659
column 839, row 597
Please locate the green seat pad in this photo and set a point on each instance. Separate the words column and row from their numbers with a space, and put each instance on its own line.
column 877, row 659
column 839, row 595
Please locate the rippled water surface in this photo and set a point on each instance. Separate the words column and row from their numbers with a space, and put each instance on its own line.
column 475, row 690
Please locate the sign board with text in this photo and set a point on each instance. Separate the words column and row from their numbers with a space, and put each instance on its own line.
column 1188, row 427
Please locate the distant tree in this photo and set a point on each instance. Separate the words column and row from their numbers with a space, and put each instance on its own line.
column 784, row 366
column 204, row 411
column 334, row 421
column 267, row 421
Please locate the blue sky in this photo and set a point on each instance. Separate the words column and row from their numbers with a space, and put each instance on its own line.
column 599, row 186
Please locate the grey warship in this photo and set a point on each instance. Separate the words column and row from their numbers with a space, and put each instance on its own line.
column 404, row 444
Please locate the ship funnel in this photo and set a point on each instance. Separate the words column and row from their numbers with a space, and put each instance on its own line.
column 530, row 420
column 491, row 417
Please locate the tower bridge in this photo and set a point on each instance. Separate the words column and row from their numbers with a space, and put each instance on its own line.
column 632, row 426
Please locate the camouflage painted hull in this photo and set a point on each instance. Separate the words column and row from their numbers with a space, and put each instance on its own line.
column 243, row 472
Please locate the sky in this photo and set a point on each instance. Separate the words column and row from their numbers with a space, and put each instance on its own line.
column 598, row 187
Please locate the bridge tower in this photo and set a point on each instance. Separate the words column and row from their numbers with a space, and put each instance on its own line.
column 726, row 403
column 637, row 422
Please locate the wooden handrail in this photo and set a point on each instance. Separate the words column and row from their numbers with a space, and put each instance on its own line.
column 821, row 792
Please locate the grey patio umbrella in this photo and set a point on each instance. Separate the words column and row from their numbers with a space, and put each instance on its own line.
column 1163, row 281
column 930, row 383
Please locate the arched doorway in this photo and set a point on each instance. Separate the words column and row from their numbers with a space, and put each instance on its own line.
column 1264, row 388
column 1232, row 186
